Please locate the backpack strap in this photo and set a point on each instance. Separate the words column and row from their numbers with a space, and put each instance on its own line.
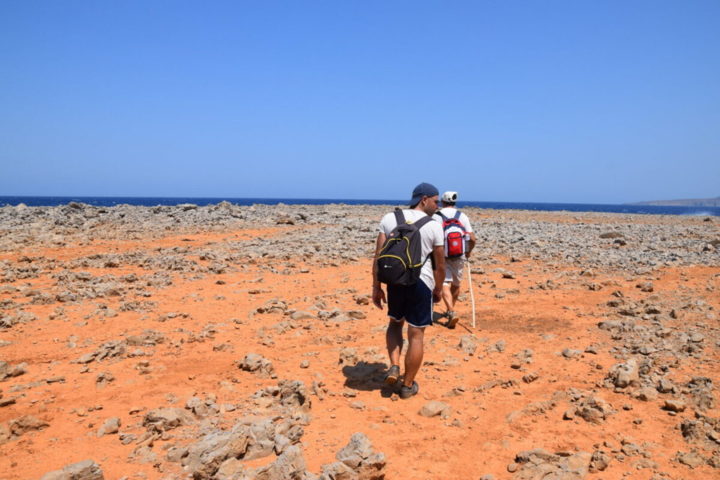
column 420, row 223
column 399, row 216
column 457, row 215
column 442, row 215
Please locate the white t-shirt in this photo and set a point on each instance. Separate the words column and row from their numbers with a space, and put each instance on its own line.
column 450, row 212
column 431, row 235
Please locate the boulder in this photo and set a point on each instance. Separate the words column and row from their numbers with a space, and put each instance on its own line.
column 85, row 470
column 356, row 461
column 538, row 463
column 26, row 424
column 625, row 374
column 163, row 419
column 257, row 364
column 290, row 465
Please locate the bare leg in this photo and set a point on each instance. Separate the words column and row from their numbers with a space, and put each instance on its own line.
column 455, row 292
column 394, row 341
column 414, row 355
column 447, row 297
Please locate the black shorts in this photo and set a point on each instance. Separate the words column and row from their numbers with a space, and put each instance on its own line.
column 411, row 303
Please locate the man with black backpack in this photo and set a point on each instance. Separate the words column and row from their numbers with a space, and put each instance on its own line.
column 459, row 242
column 410, row 260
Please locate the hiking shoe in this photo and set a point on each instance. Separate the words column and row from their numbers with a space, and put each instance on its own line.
column 407, row 392
column 392, row 375
column 452, row 320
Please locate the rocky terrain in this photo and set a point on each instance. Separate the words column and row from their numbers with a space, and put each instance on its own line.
column 695, row 202
column 231, row 342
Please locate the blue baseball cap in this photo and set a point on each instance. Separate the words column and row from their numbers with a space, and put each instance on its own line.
column 423, row 190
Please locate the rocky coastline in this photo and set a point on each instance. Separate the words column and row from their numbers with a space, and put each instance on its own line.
column 238, row 342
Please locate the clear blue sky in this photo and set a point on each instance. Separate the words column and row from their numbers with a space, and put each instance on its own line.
column 545, row 101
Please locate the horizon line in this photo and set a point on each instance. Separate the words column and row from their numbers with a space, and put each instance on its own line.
column 280, row 199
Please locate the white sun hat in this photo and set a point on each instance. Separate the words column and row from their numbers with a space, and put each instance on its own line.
column 450, row 197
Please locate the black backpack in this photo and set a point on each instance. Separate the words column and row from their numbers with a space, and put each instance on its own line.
column 400, row 259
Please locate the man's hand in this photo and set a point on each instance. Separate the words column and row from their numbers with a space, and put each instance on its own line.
column 472, row 240
column 378, row 296
column 437, row 294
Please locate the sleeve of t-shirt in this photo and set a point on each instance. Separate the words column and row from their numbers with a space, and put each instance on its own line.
column 387, row 224
column 437, row 233
column 466, row 222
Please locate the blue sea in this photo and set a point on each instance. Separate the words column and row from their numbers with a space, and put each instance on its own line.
column 153, row 201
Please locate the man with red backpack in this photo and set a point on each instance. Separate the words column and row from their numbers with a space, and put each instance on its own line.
column 459, row 242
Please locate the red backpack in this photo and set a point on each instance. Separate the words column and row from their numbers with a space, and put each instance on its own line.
column 454, row 235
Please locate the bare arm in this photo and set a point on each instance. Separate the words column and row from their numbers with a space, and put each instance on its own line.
column 471, row 243
column 438, row 254
column 378, row 295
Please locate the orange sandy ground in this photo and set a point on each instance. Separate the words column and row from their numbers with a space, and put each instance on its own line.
column 484, row 432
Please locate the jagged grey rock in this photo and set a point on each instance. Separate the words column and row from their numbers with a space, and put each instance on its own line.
column 26, row 423
column 625, row 374
column 539, row 463
column 163, row 419
column 110, row 426
column 85, row 470
column 356, row 461
column 257, row 364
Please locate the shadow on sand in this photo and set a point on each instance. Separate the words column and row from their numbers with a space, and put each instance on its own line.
column 367, row 377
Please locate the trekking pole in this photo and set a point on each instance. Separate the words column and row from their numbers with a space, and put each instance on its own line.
column 472, row 296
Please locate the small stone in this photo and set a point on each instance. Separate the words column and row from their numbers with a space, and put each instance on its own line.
column 468, row 344
column 362, row 299
column 697, row 337
column 257, row 364
column 111, row 425
column 646, row 394
column 675, row 405
column 434, row 408
column 691, row 459
column 570, row 353
column 356, row 314
column 665, row 386
column 599, row 461
column 300, row 315
column 348, row 356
